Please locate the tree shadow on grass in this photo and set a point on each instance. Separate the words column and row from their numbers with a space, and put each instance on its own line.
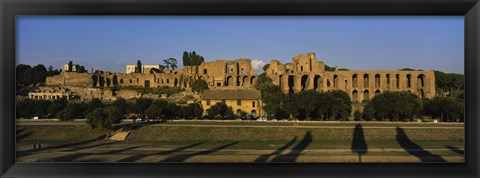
column 414, row 149
column 137, row 157
column 33, row 151
column 264, row 158
column 293, row 155
column 456, row 150
column 75, row 156
column 359, row 145
column 182, row 158
column 23, row 136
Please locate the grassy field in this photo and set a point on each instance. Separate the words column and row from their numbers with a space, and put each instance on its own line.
column 248, row 141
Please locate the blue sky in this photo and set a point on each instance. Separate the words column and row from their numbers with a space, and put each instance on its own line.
column 354, row 42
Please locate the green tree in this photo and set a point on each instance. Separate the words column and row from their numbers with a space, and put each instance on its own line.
column 186, row 59
column 57, row 106
column 121, row 104
column 170, row 63
column 141, row 104
column 138, row 68
column 220, row 111
column 104, row 118
column 357, row 115
column 154, row 112
column 265, row 67
column 199, row 85
column 70, row 66
column 92, row 105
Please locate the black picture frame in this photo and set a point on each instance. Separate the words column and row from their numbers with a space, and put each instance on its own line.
column 9, row 9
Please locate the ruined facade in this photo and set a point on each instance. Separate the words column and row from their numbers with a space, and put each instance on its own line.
column 306, row 73
column 303, row 73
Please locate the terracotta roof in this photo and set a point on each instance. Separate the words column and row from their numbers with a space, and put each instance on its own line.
column 231, row 94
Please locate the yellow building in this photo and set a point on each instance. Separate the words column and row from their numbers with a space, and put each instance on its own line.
column 249, row 101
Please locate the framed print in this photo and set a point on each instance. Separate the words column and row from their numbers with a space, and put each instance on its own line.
column 255, row 88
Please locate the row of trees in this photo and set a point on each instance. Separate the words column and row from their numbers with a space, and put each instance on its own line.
column 27, row 75
column 79, row 69
column 68, row 110
column 305, row 105
column 404, row 106
column 192, row 59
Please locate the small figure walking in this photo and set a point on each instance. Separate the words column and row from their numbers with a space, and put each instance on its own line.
column 34, row 146
column 39, row 146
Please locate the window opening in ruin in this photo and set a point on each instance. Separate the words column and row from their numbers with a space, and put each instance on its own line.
column 365, row 81
column 409, row 81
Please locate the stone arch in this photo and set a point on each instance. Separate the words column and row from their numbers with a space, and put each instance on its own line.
column 365, row 81
column 409, row 80
column 355, row 95
column 335, row 81
column 421, row 92
column 421, row 81
column 121, row 80
column 377, row 81
column 366, row 95
column 243, row 71
column 398, row 80
column 355, row 80
column 328, row 83
column 377, row 92
column 317, row 82
column 304, row 82
column 253, row 113
column 230, row 81
column 291, row 82
column 238, row 111
column 253, row 80
column 244, row 80
column 175, row 82
column 109, row 82
column 388, row 80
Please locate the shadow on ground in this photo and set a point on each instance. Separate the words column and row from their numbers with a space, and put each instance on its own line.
column 296, row 151
column 359, row 145
column 137, row 157
column 183, row 158
column 264, row 158
column 456, row 150
column 414, row 149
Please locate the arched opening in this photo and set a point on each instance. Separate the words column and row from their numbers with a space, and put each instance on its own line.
column 121, row 80
column 254, row 113
column 398, row 80
column 366, row 95
column 175, row 83
column 230, row 81
column 355, row 95
column 253, row 80
column 245, row 81
column 316, row 82
column 354, row 80
column 422, row 94
column 377, row 81
column 328, row 83
column 243, row 71
column 290, row 83
column 365, row 81
column 421, row 81
column 239, row 111
column 409, row 81
column 335, row 81
column 388, row 80
column 377, row 92
column 304, row 80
